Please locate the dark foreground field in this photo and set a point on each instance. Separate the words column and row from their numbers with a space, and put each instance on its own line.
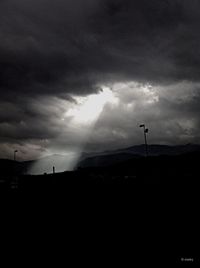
column 141, row 210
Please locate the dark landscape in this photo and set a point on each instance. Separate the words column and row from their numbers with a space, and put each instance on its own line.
column 165, row 165
column 153, row 198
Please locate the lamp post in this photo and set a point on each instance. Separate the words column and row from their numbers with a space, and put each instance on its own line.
column 145, row 137
column 15, row 152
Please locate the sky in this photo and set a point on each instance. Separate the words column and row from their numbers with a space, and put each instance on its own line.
column 82, row 75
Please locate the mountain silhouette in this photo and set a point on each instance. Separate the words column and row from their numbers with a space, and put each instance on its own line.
column 107, row 158
column 95, row 159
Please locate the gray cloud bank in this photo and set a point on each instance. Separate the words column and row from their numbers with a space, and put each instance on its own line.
column 52, row 51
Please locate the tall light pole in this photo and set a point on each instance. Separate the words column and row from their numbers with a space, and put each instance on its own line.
column 15, row 155
column 145, row 137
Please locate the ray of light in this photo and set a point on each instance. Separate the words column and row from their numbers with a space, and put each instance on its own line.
column 84, row 112
column 89, row 108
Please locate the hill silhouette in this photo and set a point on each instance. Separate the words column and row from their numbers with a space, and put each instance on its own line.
column 107, row 159
column 116, row 156
column 164, row 166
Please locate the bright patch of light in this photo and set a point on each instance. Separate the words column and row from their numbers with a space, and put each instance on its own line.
column 150, row 94
column 87, row 109
column 59, row 162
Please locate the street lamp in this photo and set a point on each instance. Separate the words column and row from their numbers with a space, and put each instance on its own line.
column 15, row 155
column 145, row 137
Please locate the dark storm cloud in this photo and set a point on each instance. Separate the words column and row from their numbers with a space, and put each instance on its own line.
column 56, row 49
column 42, row 45
column 70, row 46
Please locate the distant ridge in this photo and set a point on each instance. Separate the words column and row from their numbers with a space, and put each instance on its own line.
column 105, row 158
column 120, row 155
column 156, row 149
column 153, row 149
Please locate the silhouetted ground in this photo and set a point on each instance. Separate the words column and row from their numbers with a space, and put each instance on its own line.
column 160, row 170
column 143, row 209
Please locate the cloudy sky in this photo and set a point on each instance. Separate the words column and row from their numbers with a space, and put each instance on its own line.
column 83, row 74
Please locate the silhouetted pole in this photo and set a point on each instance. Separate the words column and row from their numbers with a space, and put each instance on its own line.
column 53, row 170
column 15, row 152
column 145, row 137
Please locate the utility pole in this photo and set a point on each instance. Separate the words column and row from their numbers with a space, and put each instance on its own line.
column 15, row 152
column 145, row 138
